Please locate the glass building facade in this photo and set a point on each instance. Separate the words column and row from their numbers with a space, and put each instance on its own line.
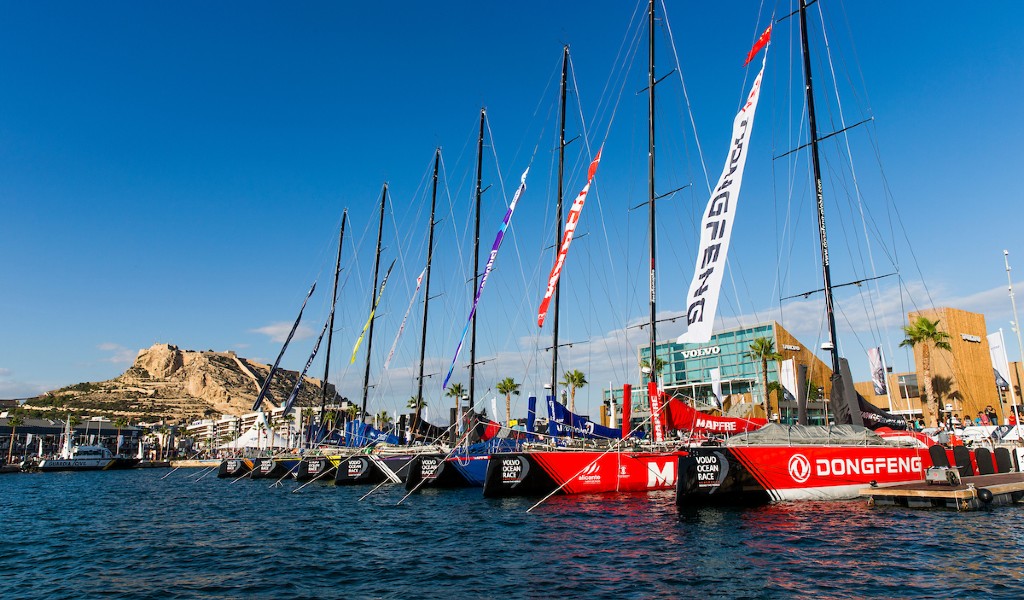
column 686, row 368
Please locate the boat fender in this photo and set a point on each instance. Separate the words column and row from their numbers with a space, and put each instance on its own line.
column 985, row 495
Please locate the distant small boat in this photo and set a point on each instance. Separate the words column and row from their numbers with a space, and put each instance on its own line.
column 80, row 458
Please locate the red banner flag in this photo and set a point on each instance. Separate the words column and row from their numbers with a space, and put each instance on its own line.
column 563, row 250
column 760, row 43
column 657, row 418
column 627, row 409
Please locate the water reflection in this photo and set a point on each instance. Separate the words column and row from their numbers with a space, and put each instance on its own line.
column 132, row 534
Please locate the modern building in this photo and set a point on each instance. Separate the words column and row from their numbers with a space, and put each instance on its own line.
column 686, row 371
column 902, row 395
column 963, row 379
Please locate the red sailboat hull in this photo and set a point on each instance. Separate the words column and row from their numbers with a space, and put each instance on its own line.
column 538, row 473
column 747, row 475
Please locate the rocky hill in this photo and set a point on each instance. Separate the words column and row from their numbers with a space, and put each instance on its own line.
column 177, row 385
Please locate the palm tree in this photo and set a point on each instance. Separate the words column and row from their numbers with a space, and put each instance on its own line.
column 13, row 421
column 307, row 419
column 456, row 391
column 659, row 365
column 352, row 412
column 74, row 421
column 289, row 420
column 331, row 418
column 763, row 349
column 925, row 333
column 416, row 404
column 162, row 432
column 774, row 387
column 574, row 380
column 120, row 423
column 260, row 427
column 508, row 386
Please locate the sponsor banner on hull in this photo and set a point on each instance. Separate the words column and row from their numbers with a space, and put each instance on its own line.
column 785, row 468
column 595, row 472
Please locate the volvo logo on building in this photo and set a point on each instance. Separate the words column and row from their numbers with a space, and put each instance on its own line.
column 799, row 468
column 698, row 352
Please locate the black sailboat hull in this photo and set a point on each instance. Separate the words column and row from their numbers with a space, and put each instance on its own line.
column 234, row 467
column 516, row 474
column 319, row 467
column 434, row 471
column 372, row 470
column 273, row 468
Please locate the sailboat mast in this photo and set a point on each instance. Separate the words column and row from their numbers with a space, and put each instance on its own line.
column 373, row 297
column 330, row 319
column 650, row 180
column 426, row 293
column 476, row 257
column 558, row 223
column 816, row 165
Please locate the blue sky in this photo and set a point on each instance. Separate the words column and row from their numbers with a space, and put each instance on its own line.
column 176, row 172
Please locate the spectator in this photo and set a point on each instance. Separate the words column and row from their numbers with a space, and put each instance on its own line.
column 983, row 419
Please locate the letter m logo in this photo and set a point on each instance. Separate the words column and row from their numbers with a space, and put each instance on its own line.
column 663, row 475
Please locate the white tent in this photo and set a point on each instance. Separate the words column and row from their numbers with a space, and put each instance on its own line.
column 254, row 438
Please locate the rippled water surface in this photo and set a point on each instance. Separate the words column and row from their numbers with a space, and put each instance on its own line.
column 137, row 534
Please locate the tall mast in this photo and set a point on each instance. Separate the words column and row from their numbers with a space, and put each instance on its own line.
column 426, row 293
column 476, row 257
column 558, row 224
column 1016, row 319
column 815, row 161
column 373, row 298
column 330, row 319
column 650, row 178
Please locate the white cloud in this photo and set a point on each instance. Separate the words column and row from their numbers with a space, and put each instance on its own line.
column 278, row 332
column 12, row 388
column 119, row 355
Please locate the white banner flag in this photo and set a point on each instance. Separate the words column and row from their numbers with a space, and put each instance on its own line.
column 1000, row 362
column 716, row 228
column 877, row 363
column 716, row 385
column 787, row 379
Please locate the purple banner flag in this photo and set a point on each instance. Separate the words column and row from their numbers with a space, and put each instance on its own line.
column 487, row 271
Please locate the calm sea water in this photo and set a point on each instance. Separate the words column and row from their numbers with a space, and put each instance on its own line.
column 135, row 534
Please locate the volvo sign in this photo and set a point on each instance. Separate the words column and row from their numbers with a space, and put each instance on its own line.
column 698, row 352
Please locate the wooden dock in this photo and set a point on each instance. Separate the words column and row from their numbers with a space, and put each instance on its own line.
column 973, row 493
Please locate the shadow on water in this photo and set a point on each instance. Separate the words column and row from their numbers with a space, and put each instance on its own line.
column 132, row 534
